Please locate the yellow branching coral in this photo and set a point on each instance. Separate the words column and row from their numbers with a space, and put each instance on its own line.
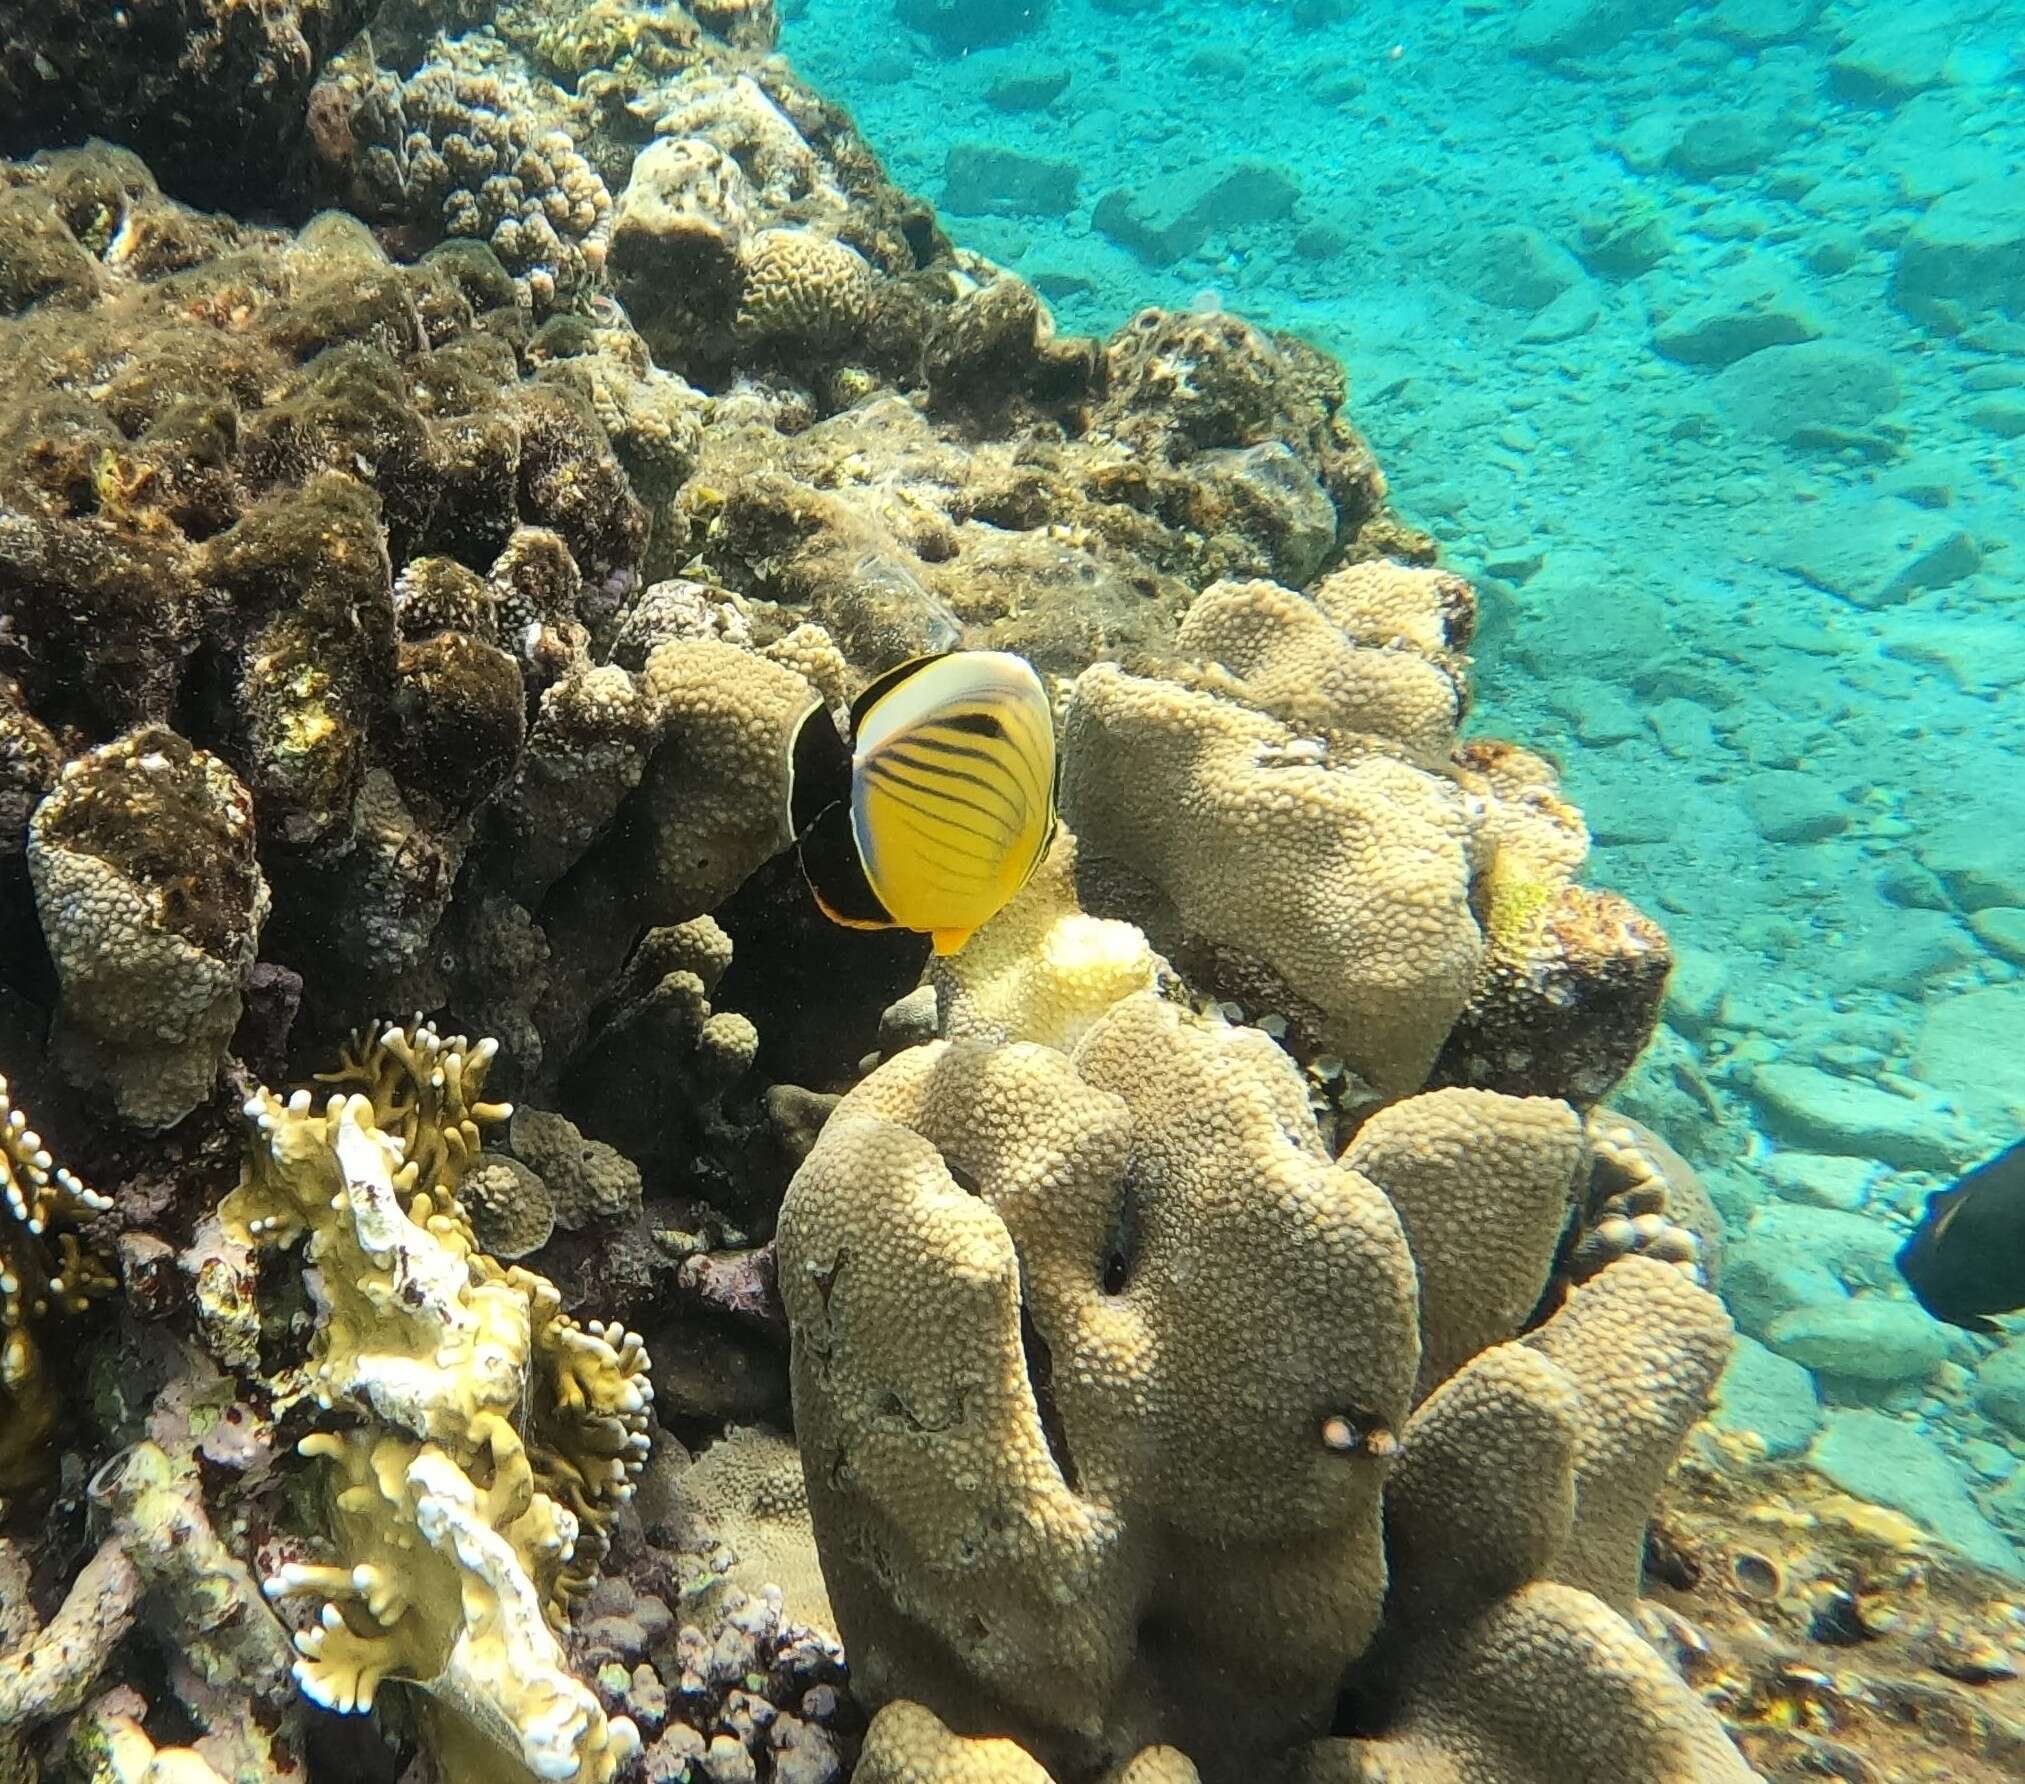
column 500, row 1433
column 586, row 1419
column 45, row 1272
column 445, row 1586
column 428, row 1092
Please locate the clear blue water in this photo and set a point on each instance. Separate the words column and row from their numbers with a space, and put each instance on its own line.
column 1696, row 334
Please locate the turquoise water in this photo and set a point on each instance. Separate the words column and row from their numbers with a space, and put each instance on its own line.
column 1696, row 335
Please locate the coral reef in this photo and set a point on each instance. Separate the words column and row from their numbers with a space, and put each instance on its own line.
column 475, row 1499
column 163, row 1560
column 452, row 150
column 1041, row 970
column 1291, row 819
column 1644, row 1197
column 1834, row 1638
column 152, row 901
column 1215, row 1330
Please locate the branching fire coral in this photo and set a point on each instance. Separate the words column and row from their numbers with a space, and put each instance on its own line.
column 498, row 1435
column 44, row 1274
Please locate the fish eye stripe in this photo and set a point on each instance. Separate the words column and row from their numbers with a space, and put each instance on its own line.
column 976, row 724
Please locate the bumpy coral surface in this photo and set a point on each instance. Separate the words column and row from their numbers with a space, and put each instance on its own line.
column 1001, row 1382
column 452, row 150
column 1041, row 970
column 1291, row 814
column 1524, row 1478
column 152, row 901
column 1033, row 1295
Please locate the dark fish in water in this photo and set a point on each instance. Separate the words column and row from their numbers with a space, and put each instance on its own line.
column 942, row 804
column 1966, row 1259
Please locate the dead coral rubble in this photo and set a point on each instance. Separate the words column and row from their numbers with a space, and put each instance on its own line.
column 1837, row 1639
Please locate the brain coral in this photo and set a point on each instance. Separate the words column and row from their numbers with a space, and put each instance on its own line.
column 1037, row 1301
column 801, row 291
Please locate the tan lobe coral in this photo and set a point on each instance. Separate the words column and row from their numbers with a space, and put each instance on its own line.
column 1017, row 1282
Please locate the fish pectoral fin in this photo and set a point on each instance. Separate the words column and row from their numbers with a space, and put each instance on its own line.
column 950, row 941
column 1955, row 1200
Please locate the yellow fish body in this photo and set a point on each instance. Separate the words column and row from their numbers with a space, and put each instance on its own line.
column 941, row 806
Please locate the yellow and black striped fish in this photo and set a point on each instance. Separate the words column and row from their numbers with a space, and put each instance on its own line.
column 942, row 804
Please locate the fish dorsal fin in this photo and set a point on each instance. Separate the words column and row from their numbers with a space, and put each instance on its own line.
column 882, row 685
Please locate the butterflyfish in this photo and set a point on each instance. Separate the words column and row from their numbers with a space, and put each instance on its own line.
column 941, row 805
column 1966, row 1258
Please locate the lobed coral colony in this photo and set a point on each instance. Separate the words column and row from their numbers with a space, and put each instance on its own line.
column 1211, row 1326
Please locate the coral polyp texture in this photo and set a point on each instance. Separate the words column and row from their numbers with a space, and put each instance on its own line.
column 1102, row 1366
column 452, row 151
column 1290, row 814
column 152, row 900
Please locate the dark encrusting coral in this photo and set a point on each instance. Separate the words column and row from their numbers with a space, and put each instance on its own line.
column 214, row 92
